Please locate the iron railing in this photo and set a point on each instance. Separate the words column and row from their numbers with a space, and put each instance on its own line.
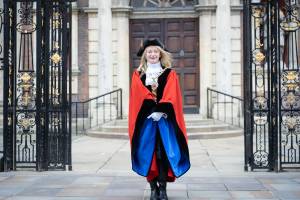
column 224, row 107
column 1, row 83
column 96, row 111
column 1, row 129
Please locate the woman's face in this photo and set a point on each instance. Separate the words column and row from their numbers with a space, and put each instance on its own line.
column 152, row 54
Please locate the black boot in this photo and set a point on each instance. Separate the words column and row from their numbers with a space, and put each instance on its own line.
column 163, row 191
column 154, row 190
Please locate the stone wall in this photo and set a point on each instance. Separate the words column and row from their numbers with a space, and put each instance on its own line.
column 236, row 52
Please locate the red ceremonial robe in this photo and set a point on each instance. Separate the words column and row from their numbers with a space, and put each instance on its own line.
column 142, row 104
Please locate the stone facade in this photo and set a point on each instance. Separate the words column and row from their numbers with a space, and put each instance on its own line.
column 101, row 44
column 219, row 45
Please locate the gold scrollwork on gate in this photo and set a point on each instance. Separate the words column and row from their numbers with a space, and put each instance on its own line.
column 56, row 58
column 55, row 94
column 258, row 12
column 259, row 71
column 290, row 22
column 260, row 102
column 292, row 25
column 9, row 121
column 56, row 121
column 56, row 15
column 26, row 85
column 291, row 122
column 259, row 57
column 26, row 123
column 290, row 80
column 260, row 119
column 56, row 45
column 258, row 44
column 291, row 98
column 25, row 77
column 9, row 96
column 56, row 24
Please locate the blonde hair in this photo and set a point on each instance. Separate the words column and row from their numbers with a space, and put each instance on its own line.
column 165, row 59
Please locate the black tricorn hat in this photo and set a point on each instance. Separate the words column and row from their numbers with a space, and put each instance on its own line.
column 147, row 43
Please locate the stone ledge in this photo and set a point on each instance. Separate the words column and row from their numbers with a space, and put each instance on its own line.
column 121, row 9
column 191, row 136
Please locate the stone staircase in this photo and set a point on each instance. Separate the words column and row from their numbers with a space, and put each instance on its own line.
column 197, row 128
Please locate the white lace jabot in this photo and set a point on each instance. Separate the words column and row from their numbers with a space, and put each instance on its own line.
column 152, row 73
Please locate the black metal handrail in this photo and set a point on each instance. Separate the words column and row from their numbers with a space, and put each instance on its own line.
column 218, row 104
column 96, row 111
column 1, row 126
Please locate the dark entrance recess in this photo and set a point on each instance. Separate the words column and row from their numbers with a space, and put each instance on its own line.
column 182, row 39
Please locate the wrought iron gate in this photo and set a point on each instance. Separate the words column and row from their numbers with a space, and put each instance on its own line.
column 272, row 84
column 37, row 84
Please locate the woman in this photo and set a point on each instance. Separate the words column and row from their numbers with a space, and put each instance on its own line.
column 157, row 132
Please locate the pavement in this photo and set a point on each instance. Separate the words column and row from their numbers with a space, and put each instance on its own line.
column 102, row 171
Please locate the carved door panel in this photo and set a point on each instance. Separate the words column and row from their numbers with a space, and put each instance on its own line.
column 181, row 38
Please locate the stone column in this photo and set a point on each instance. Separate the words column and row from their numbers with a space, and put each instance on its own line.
column 205, row 51
column 105, row 72
column 75, row 39
column 83, row 52
column 205, row 58
column 223, row 47
column 121, row 16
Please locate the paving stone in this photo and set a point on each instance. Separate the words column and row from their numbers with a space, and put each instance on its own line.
column 40, row 191
column 124, row 193
column 251, row 194
column 245, row 186
column 239, row 180
column 286, row 187
column 2, row 178
column 121, row 198
column 177, row 186
column 6, row 191
column 50, row 198
column 92, row 180
column 277, row 180
column 200, row 180
column 207, row 187
column 126, row 185
column 56, row 181
column 209, row 194
column 12, row 180
column 172, row 194
column 296, row 180
column 286, row 195
column 102, row 171
column 90, row 191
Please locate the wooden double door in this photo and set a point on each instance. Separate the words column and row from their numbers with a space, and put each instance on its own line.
column 181, row 38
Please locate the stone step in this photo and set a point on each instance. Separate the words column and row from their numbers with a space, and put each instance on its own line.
column 191, row 136
column 197, row 128
column 190, row 128
column 188, row 122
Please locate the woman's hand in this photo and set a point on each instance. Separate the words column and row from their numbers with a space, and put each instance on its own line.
column 157, row 115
